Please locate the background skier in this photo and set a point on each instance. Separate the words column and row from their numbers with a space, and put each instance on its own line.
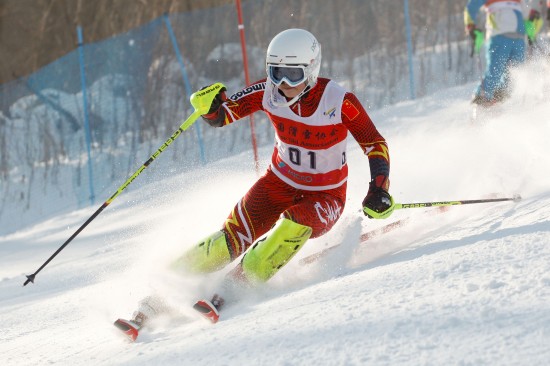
column 505, row 34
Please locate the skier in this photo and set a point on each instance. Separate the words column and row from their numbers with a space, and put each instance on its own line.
column 303, row 192
column 506, row 33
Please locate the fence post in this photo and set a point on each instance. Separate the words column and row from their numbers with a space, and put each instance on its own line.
column 185, row 79
column 409, row 48
column 86, row 115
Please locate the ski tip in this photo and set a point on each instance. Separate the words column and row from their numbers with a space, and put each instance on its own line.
column 130, row 329
column 30, row 278
column 517, row 198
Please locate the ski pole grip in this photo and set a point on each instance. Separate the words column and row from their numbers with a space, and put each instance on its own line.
column 202, row 99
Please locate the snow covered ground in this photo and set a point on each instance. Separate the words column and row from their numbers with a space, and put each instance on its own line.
column 470, row 286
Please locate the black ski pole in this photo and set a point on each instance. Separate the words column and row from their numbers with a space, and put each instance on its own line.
column 201, row 102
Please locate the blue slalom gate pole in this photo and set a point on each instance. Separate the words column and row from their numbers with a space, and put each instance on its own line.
column 86, row 115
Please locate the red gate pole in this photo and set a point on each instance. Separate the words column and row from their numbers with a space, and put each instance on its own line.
column 247, row 81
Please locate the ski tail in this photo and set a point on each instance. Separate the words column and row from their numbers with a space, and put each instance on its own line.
column 207, row 310
column 129, row 328
column 366, row 236
column 210, row 310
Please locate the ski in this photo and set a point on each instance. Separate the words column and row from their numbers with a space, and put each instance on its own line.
column 365, row 237
column 128, row 327
column 210, row 310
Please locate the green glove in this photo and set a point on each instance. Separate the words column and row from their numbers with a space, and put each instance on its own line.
column 378, row 204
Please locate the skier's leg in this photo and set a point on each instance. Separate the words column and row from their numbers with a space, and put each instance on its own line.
column 209, row 255
column 313, row 215
column 273, row 251
column 257, row 212
column 309, row 214
column 253, row 215
column 498, row 52
column 251, row 218
column 516, row 57
column 320, row 210
column 149, row 308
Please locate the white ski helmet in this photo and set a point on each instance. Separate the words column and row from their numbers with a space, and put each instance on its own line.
column 293, row 56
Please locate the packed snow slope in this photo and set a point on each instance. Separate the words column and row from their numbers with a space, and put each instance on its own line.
column 470, row 286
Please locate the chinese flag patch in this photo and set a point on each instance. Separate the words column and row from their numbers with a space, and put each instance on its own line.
column 349, row 110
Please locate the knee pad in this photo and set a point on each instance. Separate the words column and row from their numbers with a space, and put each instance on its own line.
column 209, row 255
column 272, row 252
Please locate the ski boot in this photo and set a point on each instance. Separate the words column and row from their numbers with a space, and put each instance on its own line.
column 148, row 308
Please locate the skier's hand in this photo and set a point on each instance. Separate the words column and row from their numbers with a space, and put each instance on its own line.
column 473, row 31
column 378, row 204
column 534, row 15
column 213, row 117
column 469, row 29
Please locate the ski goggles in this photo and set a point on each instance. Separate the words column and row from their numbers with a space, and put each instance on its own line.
column 293, row 75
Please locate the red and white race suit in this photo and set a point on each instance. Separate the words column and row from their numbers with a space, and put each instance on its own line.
column 306, row 180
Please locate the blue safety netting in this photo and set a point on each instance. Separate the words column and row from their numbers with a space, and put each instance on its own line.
column 138, row 87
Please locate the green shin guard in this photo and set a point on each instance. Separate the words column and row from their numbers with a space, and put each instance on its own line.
column 209, row 255
column 270, row 254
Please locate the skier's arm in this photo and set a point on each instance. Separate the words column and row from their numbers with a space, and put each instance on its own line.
column 237, row 106
column 470, row 13
column 360, row 125
column 378, row 203
column 533, row 25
